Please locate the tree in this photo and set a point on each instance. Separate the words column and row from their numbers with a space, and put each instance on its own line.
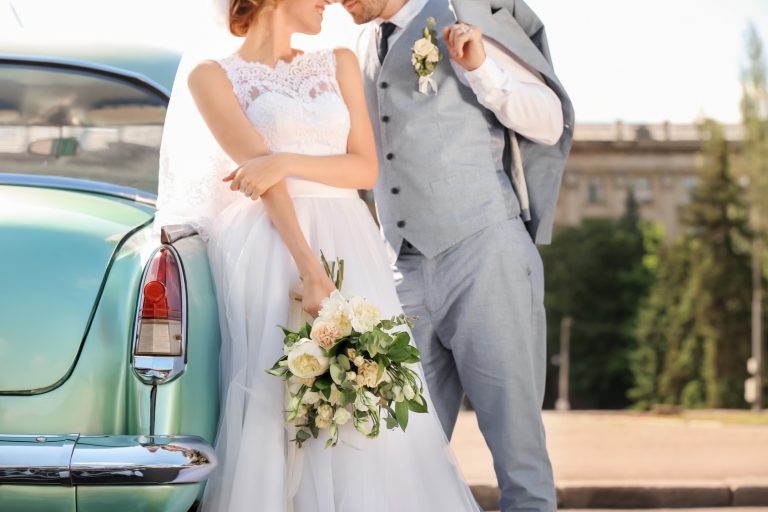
column 754, row 167
column 693, row 337
column 595, row 275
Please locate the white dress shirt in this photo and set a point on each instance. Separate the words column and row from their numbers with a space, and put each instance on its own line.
column 517, row 95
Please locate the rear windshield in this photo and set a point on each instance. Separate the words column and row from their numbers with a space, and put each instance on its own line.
column 57, row 121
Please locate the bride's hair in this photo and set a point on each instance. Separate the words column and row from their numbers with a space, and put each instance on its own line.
column 243, row 12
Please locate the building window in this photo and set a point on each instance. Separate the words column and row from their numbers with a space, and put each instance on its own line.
column 643, row 190
column 690, row 183
column 571, row 180
column 595, row 190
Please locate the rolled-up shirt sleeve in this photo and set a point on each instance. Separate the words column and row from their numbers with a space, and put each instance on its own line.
column 517, row 95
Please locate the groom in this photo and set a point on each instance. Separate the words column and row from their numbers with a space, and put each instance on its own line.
column 462, row 212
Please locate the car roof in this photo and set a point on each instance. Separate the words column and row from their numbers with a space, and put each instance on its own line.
column 158, row 64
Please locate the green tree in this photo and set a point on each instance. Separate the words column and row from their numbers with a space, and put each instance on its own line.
column 595, row 275
column 693, row 334
column 754, row 167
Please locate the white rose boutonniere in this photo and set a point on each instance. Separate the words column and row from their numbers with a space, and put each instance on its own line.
column 425, row 56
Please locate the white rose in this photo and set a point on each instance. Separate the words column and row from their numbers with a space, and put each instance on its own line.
column 324, row 416
column 408, row 392
column 361, row 402
column 310, row 398
column 422, row 47
column 341, row 416
column 433, row 55
column 369, row 372
column 360, row 405
column 335, row 397
column 295, row 383
column 325, row 411
column 364, row 315
column 335, row 310
column 307, row 359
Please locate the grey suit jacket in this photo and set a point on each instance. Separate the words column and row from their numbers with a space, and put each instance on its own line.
column 516, row 27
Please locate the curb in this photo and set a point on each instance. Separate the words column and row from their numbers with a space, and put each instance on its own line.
column 647, row 494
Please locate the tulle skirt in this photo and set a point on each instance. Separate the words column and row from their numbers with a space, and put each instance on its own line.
column 260, row 469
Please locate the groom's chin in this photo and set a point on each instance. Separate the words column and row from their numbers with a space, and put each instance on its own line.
column 354, row 9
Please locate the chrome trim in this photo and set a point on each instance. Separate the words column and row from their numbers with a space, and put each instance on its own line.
column 175, row 232
column 160, row 369
column 94, row 460
column 36, row 459
column 78, row 185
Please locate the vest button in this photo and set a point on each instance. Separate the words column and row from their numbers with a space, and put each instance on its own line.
column 383, row 85
column 401, row 223
column 384, row 119
column 395, row 190
column 390, row 156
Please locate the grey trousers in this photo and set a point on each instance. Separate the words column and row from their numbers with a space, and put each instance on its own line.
column 481, row 330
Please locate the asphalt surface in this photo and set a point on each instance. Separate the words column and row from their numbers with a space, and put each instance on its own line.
column 628, row 460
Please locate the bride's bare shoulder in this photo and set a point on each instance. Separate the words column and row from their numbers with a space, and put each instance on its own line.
column 345, row 56
column 208, row 74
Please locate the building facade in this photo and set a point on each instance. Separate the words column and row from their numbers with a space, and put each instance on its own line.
column 660, row 164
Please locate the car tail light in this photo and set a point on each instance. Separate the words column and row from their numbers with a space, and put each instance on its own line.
column 160, row 322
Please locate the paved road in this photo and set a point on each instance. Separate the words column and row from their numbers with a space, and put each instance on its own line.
column 619, row 446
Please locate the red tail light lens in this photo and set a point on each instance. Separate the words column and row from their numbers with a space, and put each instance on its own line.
column 160, row 321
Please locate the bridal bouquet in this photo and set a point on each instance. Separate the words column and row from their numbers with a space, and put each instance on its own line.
column 349, row 365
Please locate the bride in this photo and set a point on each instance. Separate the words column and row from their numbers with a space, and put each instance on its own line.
column 296, row 144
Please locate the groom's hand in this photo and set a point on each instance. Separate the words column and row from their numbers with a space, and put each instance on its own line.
column 465, row 45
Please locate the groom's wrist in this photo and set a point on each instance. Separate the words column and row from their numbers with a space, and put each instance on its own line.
column 487, row 76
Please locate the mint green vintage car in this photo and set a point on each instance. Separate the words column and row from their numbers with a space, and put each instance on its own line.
column 109, row 334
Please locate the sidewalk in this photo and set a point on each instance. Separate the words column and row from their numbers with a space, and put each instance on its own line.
column 635, row 460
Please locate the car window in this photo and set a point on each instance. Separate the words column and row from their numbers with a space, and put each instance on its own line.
column 76, row 123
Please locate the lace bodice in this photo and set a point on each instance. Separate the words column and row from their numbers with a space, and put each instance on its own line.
column 296, row 106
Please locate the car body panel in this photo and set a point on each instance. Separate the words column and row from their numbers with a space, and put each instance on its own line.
column 98, row 498
column 56, row 247
column 37, row 498
column 92, row 400
column 136, row 498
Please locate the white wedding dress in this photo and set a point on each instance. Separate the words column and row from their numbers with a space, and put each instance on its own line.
column 297, row 108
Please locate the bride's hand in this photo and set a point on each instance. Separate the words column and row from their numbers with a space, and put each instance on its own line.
column 316, row 287
column 257, row 175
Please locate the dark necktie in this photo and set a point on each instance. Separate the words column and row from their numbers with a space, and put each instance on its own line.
column 385, row 30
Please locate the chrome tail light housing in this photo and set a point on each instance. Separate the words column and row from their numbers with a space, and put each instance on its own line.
column 159, row 348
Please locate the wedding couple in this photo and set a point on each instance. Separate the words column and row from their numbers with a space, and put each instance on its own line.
column 465, row 159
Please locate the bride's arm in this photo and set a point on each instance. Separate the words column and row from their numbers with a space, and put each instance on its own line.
column 358, row 168
column 212, row 92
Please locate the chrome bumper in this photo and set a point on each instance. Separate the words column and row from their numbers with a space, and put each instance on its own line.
column 73, row 459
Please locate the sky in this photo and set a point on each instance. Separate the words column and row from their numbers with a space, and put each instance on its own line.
column 630, row 60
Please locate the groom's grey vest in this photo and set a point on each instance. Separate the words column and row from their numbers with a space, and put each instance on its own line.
column 441, row 171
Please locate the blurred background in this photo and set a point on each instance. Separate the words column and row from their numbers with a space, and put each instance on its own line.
column 656, row 275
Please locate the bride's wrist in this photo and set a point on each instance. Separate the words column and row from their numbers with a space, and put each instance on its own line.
column 313, row 274
column 310, row 268
column 285, row 164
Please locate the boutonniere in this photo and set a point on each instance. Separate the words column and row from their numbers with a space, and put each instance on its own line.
column 425, row 57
